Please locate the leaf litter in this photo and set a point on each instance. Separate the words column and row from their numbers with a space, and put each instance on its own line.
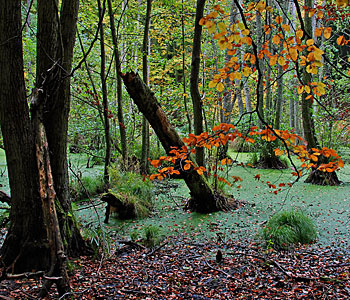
column 181, row 268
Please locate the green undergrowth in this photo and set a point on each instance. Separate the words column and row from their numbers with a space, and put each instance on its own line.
column 328, row 206
column 289, row 228
column 85, row 186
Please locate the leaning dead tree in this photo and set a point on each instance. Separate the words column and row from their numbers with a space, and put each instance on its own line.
column 204, row 198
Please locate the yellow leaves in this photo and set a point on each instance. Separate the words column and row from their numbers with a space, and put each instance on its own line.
column 232, row 52
column 312, row 69
column 318, row 31
column 246, row 40
column 276, row 39
column 211, row 27
column 222, row 27
column 327, row 32
column 223, row 42
column 260, row 6
column 320, row 14
column 307, row 89
column 249, row 56
column 241, row 26
column 310, row 42
column 245, row 31
column 246, row 56
column 281, row 61
column 235, row 75
column 219, row 9
column 247, row 71
column 285, row 27
column 200, row 170
column 212, row 15
column 212, row 84
column 278, row 152
column 342, row 3
column 252, row 59
column 220, row 87
column 250, row 6
column 318, row 54
column 293, row 53
column 300, row 89
column 299, row 33
column 321, row 89
column 273, row 60
column 313, row 157
column 312, row 11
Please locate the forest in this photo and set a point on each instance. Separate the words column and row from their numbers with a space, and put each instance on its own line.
column 174, row 149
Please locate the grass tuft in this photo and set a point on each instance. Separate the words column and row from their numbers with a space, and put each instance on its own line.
column 287, row 228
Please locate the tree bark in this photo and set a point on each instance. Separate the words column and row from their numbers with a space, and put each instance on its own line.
column 58, row 267
column 122, row 128
column 196, row 98
column 106, row 126
column 203, row 198
column 56, row 111
column 259, row 34
column 184, row 68
column 316, row 176
column 25, row 246
column 145, row 123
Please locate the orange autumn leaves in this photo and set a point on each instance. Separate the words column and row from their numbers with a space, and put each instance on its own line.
column 221, row 135
column 325, row 159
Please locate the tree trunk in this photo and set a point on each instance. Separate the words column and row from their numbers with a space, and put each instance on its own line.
column 56, row 115
column 260, row 101
column 184, row 69
column 145, row 124
column 25, row 246
column 316, row 176
column 106, row 126
column 122, row 128
column 58, row 267
column 203, row 198
column 196, row 98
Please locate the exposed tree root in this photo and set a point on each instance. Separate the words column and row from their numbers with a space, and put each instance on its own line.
column 223, row 203
column 323, row 178
column 270, row 162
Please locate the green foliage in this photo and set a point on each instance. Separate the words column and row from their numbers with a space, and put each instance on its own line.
column 132, row 189
column 131, row 183
column 85, row 186
column 4, row 216
column 98, row 237
column 151, row 236
column 287, row 228
column 253, row 158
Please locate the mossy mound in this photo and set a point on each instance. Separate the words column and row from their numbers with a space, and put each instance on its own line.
column 125, row 206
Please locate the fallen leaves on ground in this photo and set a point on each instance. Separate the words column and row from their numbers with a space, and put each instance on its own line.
column 182, row 268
